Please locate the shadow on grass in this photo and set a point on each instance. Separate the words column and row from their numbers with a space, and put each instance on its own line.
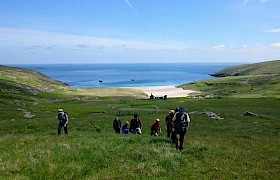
column 199, row 150
column 158, row 140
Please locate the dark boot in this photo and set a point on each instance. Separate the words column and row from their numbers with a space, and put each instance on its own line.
column 66, row 129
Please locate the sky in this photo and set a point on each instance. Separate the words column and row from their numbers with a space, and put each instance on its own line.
column 135, row 31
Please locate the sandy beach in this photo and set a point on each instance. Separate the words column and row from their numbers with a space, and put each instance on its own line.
column 158, row 91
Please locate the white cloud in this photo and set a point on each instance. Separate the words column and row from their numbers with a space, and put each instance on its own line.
column 27, row 37
column 245, row 2
column 258, row 46
column 245, row 46
column 219, row 47
column 29, row 46
column 273, row 30
column 275, row 45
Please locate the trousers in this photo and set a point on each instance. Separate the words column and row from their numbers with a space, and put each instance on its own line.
column 60, row 126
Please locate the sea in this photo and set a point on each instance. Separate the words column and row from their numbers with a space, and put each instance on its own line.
column 126, row 75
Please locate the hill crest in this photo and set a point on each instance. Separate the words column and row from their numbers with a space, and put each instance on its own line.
column 268, row 67
column 243, row 81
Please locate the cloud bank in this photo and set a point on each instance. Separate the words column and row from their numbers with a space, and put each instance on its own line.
column 273, row 30
column 19, row 45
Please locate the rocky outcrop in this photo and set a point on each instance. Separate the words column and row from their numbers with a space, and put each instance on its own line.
column 215, row 74
column 209, row 114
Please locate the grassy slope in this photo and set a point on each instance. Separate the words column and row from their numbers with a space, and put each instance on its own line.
column 236, row 147
column 269, row 67
column 29, row 83
column 253, row 81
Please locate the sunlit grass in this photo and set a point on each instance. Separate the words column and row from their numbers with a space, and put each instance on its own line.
column 236, row 147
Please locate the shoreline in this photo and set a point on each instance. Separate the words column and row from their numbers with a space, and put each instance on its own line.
column 160, row 91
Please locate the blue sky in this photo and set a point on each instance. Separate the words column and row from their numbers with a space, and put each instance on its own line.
column 133, row 31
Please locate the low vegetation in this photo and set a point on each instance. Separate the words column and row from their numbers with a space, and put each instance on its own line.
column 235, row 147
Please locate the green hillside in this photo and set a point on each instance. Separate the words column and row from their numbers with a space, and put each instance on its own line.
column 27, row 81
column 234, row 147
column 244, row 81
column 269, row 68
column 22, row 89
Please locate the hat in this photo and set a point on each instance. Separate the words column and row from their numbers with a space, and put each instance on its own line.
column 172, row 111
column 60, row 110
column 157, row 119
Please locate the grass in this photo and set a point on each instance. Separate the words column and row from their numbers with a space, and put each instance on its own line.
column 238, row 86
column 236, row 147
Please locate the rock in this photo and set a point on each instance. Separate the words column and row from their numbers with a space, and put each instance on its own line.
column 248, row 113
column 209, row 114
column 155, row 107
column 213, row 115
column 28, row 114
column 215, row 74
column 218, row 74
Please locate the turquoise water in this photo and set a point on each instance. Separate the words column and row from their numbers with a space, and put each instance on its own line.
column 126, row 75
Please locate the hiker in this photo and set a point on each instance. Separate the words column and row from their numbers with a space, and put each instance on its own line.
column 117, row 125
column 63, row 121
column 125, row 128
column 180, row 125
column 135, row 125
column 168, row 123
column 155, row 128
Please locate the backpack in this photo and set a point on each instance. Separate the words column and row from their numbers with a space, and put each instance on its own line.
column 181, row 124
column 63, row 118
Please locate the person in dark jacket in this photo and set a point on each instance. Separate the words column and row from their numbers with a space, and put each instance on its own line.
column 168, row 123
column 135, row 125
column 180, row 125
column 63, row 121
column 117, row 125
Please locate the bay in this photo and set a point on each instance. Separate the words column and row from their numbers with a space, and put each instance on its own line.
column 126, row 75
